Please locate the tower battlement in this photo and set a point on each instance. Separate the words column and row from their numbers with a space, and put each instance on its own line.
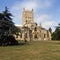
column 27, row 16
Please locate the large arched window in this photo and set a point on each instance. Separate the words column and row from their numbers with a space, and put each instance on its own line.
column 26, row 21
column 21, row 35
column 35, row 29
column 26, row 35
column 35, row 36
column 44, row 35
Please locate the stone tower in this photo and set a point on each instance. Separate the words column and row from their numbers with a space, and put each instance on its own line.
column 27, row 16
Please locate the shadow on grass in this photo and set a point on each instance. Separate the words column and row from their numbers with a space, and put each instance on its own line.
column 11, row 41
column 19, row 44
column 58, row 43
column 22, row 43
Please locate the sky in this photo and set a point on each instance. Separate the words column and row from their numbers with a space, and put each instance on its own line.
column 46, row 12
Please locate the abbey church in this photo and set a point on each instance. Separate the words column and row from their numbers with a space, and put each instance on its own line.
column 30, row 30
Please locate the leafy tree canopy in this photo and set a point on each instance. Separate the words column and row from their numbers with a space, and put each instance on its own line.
column 56, row 33
column 7, row 26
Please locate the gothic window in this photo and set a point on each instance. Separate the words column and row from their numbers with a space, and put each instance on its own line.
column 21, row 35
column 26, row 35
column 26, row 21
column 35, row 29
column 35, row 36
column 40, row 30
column 44, row 35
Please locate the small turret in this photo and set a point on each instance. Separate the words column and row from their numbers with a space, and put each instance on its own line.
column 23, row 9
column 32, row 9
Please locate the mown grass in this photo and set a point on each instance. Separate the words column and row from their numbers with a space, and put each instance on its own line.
column 37, row 50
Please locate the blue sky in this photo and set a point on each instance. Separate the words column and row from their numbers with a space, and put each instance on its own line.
column 46, row 12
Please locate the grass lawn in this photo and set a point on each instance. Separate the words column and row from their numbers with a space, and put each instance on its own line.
column 37, row 50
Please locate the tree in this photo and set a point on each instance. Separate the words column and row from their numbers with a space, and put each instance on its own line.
column 8, row 20
column 56, row 33
column 7, row 27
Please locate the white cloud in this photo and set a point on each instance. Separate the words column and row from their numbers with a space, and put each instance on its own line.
column 16, row 9
column 45, row 19
column 29, row 5
column 43, row 4
column 35, row 4
column 49, row 24
column 24, row 4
